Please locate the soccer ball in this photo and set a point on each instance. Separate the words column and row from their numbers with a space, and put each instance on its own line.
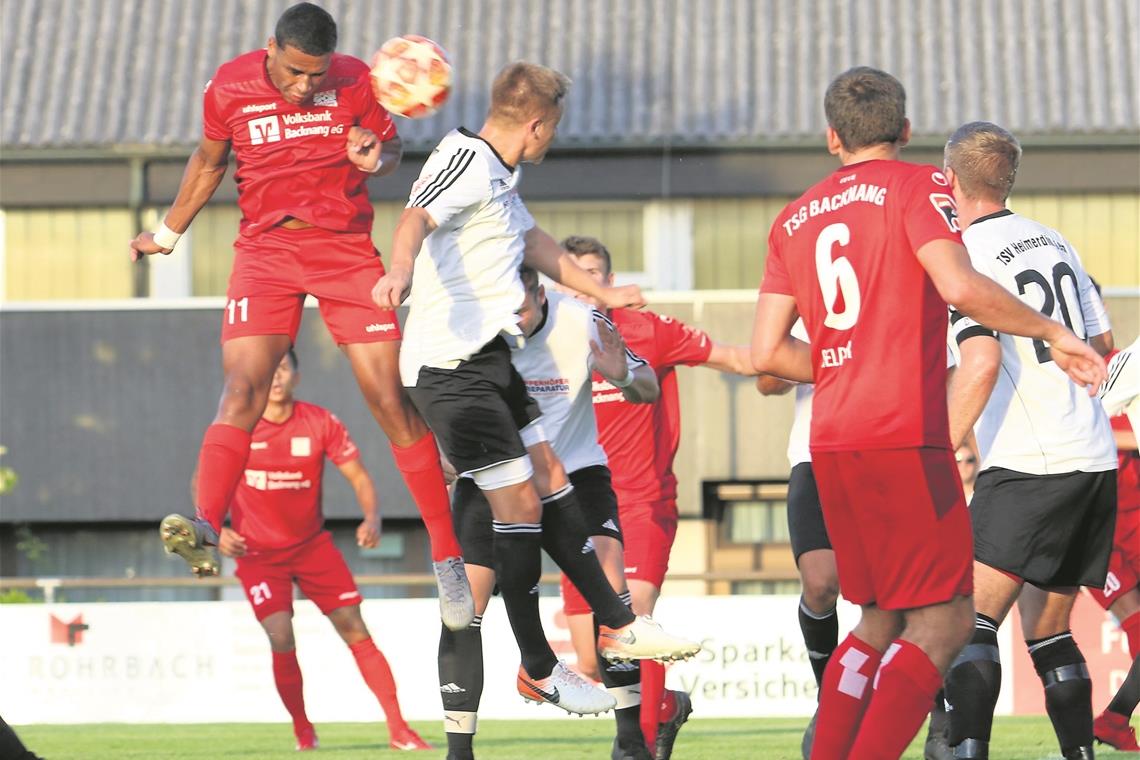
column 411, row 76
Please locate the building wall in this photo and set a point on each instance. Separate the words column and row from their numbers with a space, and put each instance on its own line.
column 79, row 253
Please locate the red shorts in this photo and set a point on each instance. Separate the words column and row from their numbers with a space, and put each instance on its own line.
column 318, row 568
column 898, row 522
column 1124, row 562
column 647, row 529
column 273, row 271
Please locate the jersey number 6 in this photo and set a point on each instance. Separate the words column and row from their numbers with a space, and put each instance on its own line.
column 837, row 276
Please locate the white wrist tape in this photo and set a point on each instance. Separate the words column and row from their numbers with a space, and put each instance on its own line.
column 166, row 237
column 625, row 381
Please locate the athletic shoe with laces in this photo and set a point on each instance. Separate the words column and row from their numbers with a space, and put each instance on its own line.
column 456, row 605
column 1113, row 729
column 667, row 731
column 630, row 750
column 565, row 689
column 643, row 639
column 193, row 540
column 407, row 739
column 306, row 739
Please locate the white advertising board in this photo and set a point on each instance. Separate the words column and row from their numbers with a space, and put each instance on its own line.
column 199, row 662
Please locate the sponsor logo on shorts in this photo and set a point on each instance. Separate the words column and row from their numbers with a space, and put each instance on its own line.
column 609, row 525
column 348, row 595
column 376, row 327
column 258, row 445
column 630, row 570
column 1111, row 584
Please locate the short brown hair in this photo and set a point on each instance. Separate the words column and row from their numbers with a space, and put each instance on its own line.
column 525, row 91
column 985, row 158
column 865, row 107
column 580, row 245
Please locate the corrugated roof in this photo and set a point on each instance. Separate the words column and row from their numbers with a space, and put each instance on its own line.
column 113, row 73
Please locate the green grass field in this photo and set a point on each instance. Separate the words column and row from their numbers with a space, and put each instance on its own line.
column 1014, row 739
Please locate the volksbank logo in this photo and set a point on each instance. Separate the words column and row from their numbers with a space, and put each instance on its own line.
column 267, row 129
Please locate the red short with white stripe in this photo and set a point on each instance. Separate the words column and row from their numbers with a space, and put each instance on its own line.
column 273, row 271
column 898, row 522
column 316, row 565
column 1124, row 562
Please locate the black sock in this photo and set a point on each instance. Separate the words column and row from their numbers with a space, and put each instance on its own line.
column 518, row 567
column 972, row 686
column 567, row 541
column 1125, row 701
column 623, row 681
column 11, row 747
column 461, row 685
column 939, row 720
column 1068, row 689
column 821, row 636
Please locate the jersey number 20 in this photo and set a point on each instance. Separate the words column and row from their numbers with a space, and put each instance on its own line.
column 1060, row 271
column 837, row 276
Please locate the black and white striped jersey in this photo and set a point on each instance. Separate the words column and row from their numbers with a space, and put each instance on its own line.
column 466, row 287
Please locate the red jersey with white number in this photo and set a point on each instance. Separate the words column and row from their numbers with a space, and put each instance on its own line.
column 291, row 159
column 845, row 250
column 641, row 440
column 278, row 501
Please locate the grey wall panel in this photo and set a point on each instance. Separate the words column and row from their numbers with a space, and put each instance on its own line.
column 102, row 412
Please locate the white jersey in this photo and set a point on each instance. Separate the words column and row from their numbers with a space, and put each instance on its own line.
column 800, row 437
column 466, row 288
column 556, row 363
column 1120, row 393
column 1037, row 421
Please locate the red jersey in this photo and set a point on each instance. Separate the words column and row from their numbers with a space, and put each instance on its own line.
column 291, row 159
column 845, row 250
column 278, row 502
column 1128, row 464
column 641, row 439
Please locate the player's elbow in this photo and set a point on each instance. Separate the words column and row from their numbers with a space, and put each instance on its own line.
column 981, row 360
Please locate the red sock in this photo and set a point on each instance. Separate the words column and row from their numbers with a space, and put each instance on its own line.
column 374, row 667
column 843, row 697
column 668, row 707
column 287, row 676
column 221, row 460
column 419, row 464
column 652, row 691
column 904, row 688
column 1131, row 627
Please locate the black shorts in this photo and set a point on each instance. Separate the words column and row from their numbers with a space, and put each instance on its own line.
column 471, row 513
column 477, row 409
column 1051, row 530
column 805, row 515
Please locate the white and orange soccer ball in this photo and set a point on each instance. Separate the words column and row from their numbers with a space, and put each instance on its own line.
column 411, row 76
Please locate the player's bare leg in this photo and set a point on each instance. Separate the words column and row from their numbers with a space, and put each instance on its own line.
column 248, row 364
column 819, row 582
column 377, row 675
column 1112, row 726
column 622, row 634
column 376, row 368
column 287, row 675
column 1059, row 663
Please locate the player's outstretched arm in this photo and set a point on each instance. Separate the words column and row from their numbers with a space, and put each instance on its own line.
column 204, row 172
column 971, row 384
column 368, row 532
column 414, row 226
column 988, row 303
column 736, row 360
column 774, row 350
column 544, row 254
column 608, row 354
